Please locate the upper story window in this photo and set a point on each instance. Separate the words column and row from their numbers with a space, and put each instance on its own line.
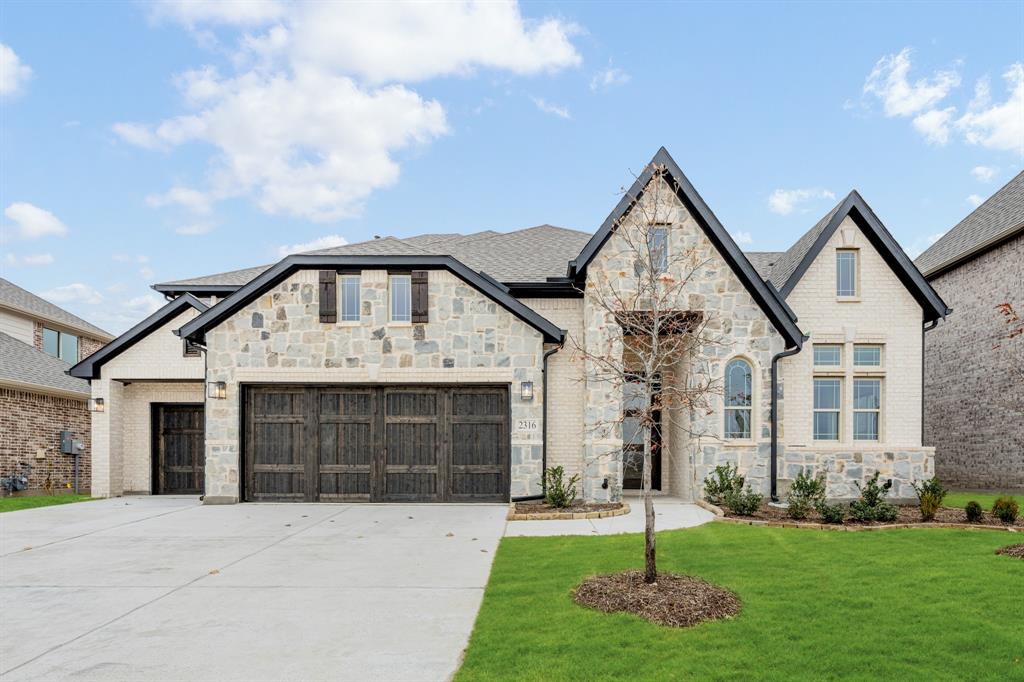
column 867, row 356
column 827, row 398
column 60, row 345
column 828, row 355
column 350, row 285
column 846, row 272
column 659, row 248
column 739, row 389
column 400, row 287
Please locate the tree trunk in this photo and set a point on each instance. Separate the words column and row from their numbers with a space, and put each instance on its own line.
column 650, row 564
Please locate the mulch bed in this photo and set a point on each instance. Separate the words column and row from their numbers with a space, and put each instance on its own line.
column 909, row 514
column 577, row 507
column 678, row 601
column 1012, row 550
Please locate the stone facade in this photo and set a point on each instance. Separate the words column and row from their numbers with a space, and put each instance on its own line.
column 30, row 426
column 973, row 395
column 279, row 337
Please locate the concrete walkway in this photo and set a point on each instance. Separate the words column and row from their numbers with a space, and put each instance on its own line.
column 669, row 514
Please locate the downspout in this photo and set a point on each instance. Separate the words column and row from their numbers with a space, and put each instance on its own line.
column 928, row 326
column 544, row 429
column 775, row 418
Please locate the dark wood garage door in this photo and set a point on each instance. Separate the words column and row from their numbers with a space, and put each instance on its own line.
column 179, row 455
column 377, row 443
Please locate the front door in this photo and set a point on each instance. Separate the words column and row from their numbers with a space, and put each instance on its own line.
column 633, row 442
column 179, row 454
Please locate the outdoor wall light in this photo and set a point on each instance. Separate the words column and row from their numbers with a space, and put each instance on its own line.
column 96, row 405
column 526, row 390
column 217, row 390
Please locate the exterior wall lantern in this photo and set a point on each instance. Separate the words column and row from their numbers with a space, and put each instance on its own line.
column 526, row 391
column 218, row 390
column 96, row 405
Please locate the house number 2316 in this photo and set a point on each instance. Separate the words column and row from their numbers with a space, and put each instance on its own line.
column 527, row 425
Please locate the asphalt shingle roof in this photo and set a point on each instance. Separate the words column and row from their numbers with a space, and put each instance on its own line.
column 25, row 364
column 998, row 217
column 787, row 262
column 763, row 261
column 13, row 296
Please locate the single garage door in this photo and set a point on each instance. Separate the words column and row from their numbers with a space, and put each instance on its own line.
column 377, row 443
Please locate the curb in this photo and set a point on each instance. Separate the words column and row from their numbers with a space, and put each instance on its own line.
column 704, row 504
column 567, row 516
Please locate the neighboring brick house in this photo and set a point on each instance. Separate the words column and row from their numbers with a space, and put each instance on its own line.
column 38, row 344
column 440, row 367
column 974, row 374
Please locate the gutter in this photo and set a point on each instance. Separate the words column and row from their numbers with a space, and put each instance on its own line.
column 775, row 418
column 928, row 326
column 544, row 432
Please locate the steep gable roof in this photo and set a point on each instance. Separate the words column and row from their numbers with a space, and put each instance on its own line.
column 763, row 261
column 15, row 298
column 788, row 270
column 763, row 294
column 30, row 369
column 999, row 218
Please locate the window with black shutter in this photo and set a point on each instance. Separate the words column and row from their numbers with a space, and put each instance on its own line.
column 419, row 296
column 328, row 296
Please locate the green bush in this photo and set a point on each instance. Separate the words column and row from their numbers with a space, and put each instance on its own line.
column 832, row 513
column 886, row 513
column 723, row 480
column 974, row 512
column 558, row 492
column 930, row 495
column 806, row 493
column 872, row 505
column 1005, row 509
column 743, row 503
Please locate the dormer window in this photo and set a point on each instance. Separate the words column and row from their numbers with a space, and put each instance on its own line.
column 846, row 272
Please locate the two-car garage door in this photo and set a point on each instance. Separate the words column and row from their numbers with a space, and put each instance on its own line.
column 376, row 443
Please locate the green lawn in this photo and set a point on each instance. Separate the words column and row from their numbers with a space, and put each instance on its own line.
column 818, row 605
column 958, row 499
column 8, row 504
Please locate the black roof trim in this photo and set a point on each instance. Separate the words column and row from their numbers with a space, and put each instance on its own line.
column 766, row 297
column 209, row 289
column 976, row 252
column 862, row 214
column 558, row 289
column 195, row 329
column 90, row 367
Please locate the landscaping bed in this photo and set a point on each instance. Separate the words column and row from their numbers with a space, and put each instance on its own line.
column 1012, row 550
column 908, row 515
column 539, row 510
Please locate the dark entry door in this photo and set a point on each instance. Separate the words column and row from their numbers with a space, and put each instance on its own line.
column 377, row 443
column 179, row 454
column 633, row 440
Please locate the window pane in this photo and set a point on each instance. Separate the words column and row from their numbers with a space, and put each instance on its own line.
column 659, row 249
column 69, row 348
column 632, row 396
column 51, row 342
column 828, row 356
column 632, row 434
column 826, row 426
column 846, row 273
column 737, row 423
column 869, row 356
column 401, row 299
column 738, row 383
column 865, row 426
column 350, row 299
column 826, row 394
column 866, row 394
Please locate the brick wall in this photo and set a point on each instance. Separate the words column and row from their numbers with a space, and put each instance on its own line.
column 136, row 426
column 970, row 386
column 30, row 425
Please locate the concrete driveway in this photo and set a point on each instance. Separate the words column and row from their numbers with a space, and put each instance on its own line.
column 163, row 588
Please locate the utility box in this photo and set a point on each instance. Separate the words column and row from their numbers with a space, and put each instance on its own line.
column 67, row 443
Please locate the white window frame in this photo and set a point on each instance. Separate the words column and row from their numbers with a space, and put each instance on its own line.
column 748, row 408
column 846, row 293
column 866, row 346
column 877, row 411
column 391, row 299
column 838, row 410
column 837, row 346
column 344, row 315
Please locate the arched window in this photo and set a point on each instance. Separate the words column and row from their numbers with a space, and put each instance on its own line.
column 739, row 389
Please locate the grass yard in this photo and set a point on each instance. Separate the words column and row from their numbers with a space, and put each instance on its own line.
column 959, row 500
column 8, row 504
column 900, row 604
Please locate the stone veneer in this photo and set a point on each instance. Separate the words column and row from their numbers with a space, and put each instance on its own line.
column 278, row 337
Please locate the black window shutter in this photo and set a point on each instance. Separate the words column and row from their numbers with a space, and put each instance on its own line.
column 328, row 296
column 419, row 296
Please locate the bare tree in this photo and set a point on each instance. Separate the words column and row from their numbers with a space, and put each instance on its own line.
column 657, row 331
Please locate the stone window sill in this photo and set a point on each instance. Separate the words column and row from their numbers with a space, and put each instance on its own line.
column 847, row 299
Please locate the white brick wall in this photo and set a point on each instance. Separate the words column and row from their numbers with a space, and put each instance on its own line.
column 157, row 356
column 136, row 426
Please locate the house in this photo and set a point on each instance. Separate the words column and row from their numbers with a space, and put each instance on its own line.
column 38, row 400
column 440, row 368
column 973, row 377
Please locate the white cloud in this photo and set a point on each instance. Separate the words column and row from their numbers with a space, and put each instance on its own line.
column 975, row 200
column 73, row 293
column 549, row 108
column 743, row 238
column 997, row 126
column 236, row 12
column 888, row 82
column 37, row 259
column 190, row 199
column 934, row 125
column 194, row 229
column 785, row 201
column 13, row 74
column 120, row 313
column 920, row 245
column 608, row 78
column 325, row 242
column 33, row 222
column 984, row 173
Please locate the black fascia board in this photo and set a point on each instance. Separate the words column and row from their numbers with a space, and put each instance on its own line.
column 195, row 329
column 558, row 289
column 208, row 289
column 90, row 367
column 766, row 297
column 894, row 256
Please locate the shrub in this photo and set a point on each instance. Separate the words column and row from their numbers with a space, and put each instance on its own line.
column 930, row 495
column 723, row 480
column 974, row 512
column 886, row 513
column 872, row 505
column 1005, row 509
column 806, row 493
column 832, row 513
column 743, row 503
column 558, row 492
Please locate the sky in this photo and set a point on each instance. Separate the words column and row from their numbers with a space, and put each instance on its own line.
column 147, row 142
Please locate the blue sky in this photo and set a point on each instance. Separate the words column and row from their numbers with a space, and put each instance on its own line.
column 148, row 142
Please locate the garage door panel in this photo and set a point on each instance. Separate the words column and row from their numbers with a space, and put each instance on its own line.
column 476, row 444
